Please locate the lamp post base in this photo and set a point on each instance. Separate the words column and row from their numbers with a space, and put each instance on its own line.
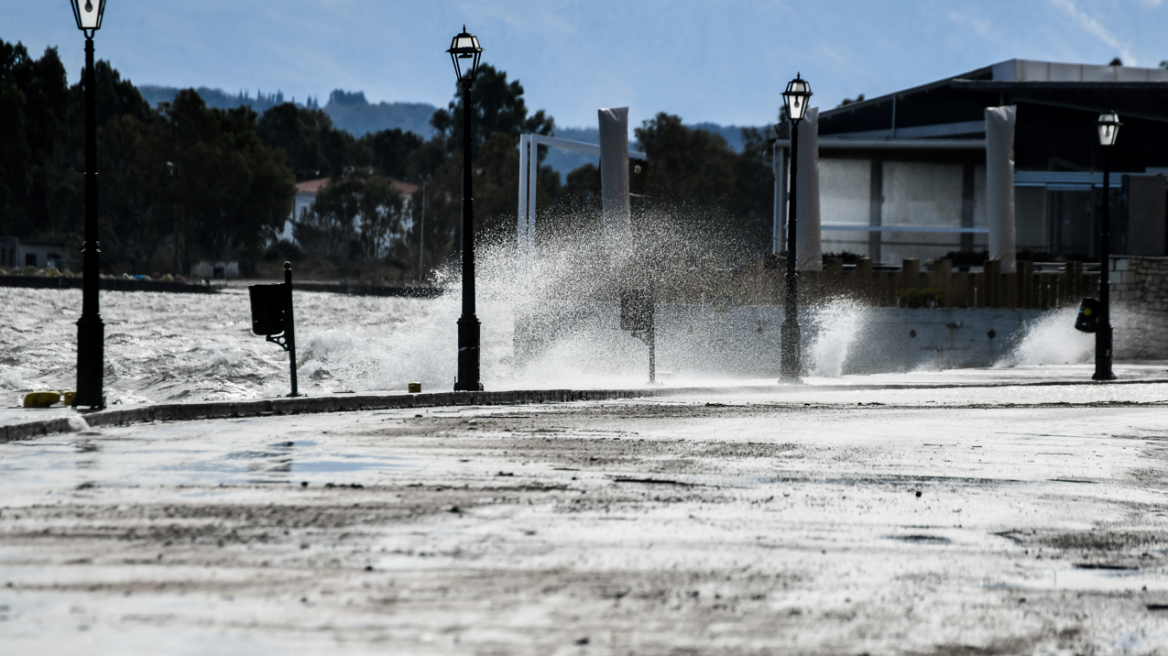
column 1103, row 337
column 90, row 363
column 468, row 355
column 790, row 339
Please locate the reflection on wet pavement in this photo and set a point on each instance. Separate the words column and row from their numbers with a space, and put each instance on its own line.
column 113, row 461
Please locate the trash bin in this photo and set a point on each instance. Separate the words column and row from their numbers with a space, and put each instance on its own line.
column 636, row 310
column 1088, row 319
column 267, row 308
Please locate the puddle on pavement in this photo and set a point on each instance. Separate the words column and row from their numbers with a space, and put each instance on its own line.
column 349, row 464
column 1090, row 579
column 920, row 539
column 65, row 468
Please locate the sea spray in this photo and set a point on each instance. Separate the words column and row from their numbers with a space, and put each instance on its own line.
column 838, row 322
column 1052, row 339
column 564, row 304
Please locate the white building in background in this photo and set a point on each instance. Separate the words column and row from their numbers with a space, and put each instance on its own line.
column 904, row 175
column 301, row 204
column 306, row 195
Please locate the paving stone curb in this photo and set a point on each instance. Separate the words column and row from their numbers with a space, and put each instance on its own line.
column 309, row 405
column 34, row 429
column 359, row 402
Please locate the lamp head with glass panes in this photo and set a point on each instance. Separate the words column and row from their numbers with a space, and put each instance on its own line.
column 465, row 53
column 88, row 14
column 796, row 97
column 1108, row 128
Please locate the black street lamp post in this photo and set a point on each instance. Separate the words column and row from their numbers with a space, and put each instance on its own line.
column 465, row 53
column 1108, row 125
column 795, row 100
column 90, row 329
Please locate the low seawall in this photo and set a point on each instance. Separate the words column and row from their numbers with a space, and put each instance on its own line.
column 745, row 340
column 107, row 284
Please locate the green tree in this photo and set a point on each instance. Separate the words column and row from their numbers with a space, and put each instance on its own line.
column 693, row 167
column 359, row 215
column 499, row 107
column 331, row 221
column 850, row 101
column 382, row 217
column 38, row 178
column 15, row 159
column 390, row 151
column 582, row 187
column 752, row 205
column 500, row 117
column 722, row 195
column 235, row 191
column 312, row 147
column 137, row 202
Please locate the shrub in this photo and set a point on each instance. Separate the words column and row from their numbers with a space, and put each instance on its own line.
column 920, row 297
column 283, row 250
column 967, row 258
column 847, row 256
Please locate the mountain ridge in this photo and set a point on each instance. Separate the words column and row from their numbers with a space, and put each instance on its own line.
column 352, row 112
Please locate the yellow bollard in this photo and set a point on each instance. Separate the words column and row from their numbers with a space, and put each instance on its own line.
column 41, row 399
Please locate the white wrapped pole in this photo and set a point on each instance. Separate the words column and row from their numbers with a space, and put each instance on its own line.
column 521, row 227
column 532, row 187
column 614, row 176
column 808, row 236
column 779, row 227
column 1000, row 184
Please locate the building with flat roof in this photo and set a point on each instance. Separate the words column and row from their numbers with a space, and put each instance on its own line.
column 904, row 175
column 18, row 253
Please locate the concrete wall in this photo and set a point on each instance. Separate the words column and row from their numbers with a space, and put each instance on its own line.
column 844, row 337
column 743, row 341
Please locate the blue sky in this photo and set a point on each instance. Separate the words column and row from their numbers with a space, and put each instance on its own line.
column 724, row 61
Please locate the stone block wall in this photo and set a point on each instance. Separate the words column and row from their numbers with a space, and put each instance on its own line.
column 1139, row 294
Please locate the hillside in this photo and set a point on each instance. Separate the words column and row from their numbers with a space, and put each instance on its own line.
column 352, row 112
column 349, row 111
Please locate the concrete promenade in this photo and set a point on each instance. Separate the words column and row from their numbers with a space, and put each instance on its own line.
column 997, row 511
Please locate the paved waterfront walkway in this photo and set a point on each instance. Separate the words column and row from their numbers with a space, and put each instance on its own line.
column 960, row 512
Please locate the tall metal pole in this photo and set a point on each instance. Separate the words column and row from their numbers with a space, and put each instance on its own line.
column 468, row 323
column 652, row 332
column 290, row 327
column 422, row 233
column 90, row 329
column 1103, row 331
column 177, row 187
column 790, row 337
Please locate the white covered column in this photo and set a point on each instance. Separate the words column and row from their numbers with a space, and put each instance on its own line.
column 808, row 235
column 521, row 227
column 614, row 176
column 1000, row 123
column 779, row 229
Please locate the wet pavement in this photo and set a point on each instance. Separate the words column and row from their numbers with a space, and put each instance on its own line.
column 1004, row 518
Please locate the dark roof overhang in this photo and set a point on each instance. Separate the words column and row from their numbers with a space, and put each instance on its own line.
column 1146, row 100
